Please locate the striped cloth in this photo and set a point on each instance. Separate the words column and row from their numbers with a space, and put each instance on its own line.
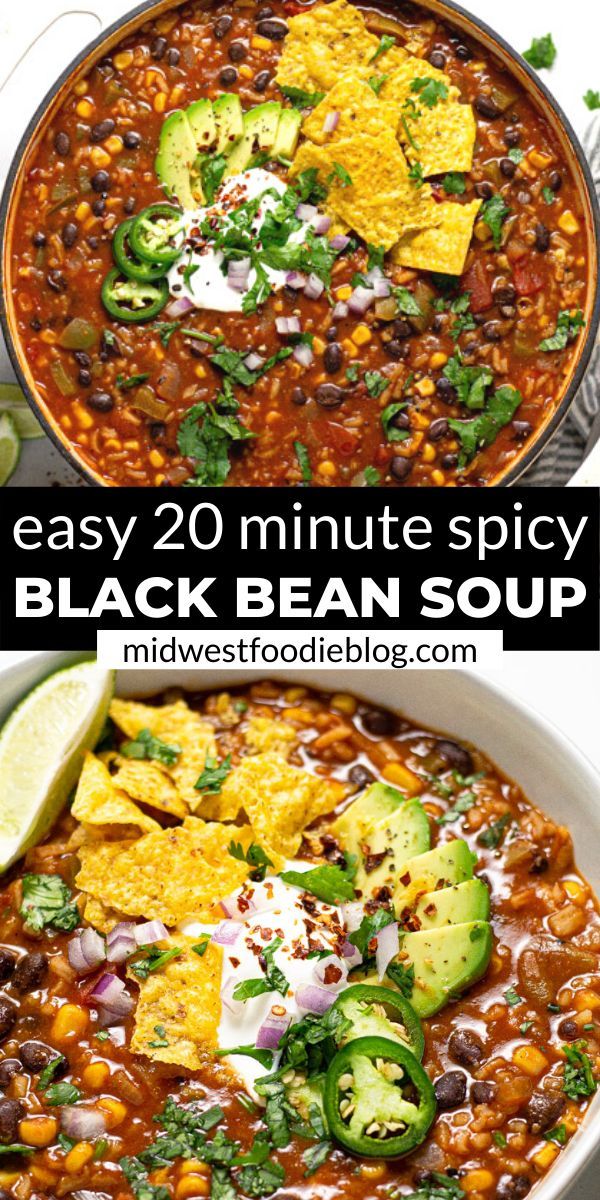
column 581, row 428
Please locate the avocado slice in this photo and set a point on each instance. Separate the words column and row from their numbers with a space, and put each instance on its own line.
column 377, row 802
column 456, row 905
column 452, row 862
column 387, row 845
column 202, row 124
column 288, row 132
column 446, row 961
column 229, row 122
column 176, row 154
column 260, row 130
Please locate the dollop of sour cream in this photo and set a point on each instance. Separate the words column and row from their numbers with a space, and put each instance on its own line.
column 198, row 274
column 306, row 926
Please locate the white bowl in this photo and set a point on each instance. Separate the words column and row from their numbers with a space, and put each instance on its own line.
column 553, row 773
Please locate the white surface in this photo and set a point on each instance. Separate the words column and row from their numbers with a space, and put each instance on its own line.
column 38, row 41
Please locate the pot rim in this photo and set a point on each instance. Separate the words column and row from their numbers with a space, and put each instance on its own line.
column 527, row 458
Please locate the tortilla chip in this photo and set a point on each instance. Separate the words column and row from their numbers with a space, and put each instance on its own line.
column 443, row 249
column 97, row 864
column 98, row 802
column 443, row 137
column 180, row 1005
column 323, row 44
column 359, row 109
column 175, row 724
column 149, row 783
column 279, row 800
column 171, row 874
column 102, row 918
column 265, row 734
column 381, row 203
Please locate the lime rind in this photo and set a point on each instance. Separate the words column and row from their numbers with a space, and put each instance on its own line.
column 13, row 402
column 10, row 447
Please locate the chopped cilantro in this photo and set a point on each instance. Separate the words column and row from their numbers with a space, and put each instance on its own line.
column 146, row 745
column 376, row 82
column 49, row 1071
column 264, row 1057
column 315, row 1156
column 255, row 857
column 375, row 383
column 207, row 436
column 212, row 170
column 512, row 997
column 592, row 99
column 165, row 330
column 16, row 1148
column 257, row 294
column 471, row 383
column 386, row 42
column 416, row 175
column 438, row 1187
column 303, row 461
column 328, row 883
column 454, row 183
column 499, row 1140
column 213, row 775
column 162, row 1040
column 274, row 979
column 541, row 53
column 430, row 91
column 403, row 977
column 376, row 256
column 66, row 1143
column 491, row 838
column 47, row 902
column 201, row 946
column 352, row 373
column 124, row 383
column 494, row 213
column 372, row 476
column 567, row 328
column 558, row 1134
column 190, row 269
column 484, row 428
column 339, row 172
column 152, row 960
column 462, row 805
column 548, row 195
column 414, row 113
column 369, row 927
column 298, row 98
column 516, row 155
column 392, row 432
column 62, row 1093
column 578, row 1080
column 525, row 1027
column 407, row 305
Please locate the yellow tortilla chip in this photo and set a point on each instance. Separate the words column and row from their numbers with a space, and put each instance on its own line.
column 175, row 724
column 102, row 918
column 279, row 800
column 181, row 1006
column 97, row 859
column 443, row 249
column 98, row 802
column 264, row 734
column 440, row 138
column 172, row 874
column 322, row 44
column 359, row 109
column 149, row 783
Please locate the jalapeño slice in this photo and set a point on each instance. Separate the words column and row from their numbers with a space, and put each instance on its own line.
column 376, row 1085
column 381, row 1012
column 130, row 299
column 152, row 232
column 127, row 260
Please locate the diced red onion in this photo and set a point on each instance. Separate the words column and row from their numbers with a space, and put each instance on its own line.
column 340, row 241
column 84, row 1194
column 353, row 914
column 287, row 325
column 238, row 271
column 226, row 933
column 340, row 310
column 86, row 951
column 238, row 906
column 253, row 361
column 373, row 275
column 303, row 354
column 271, row 1031
column 179, row 307
column 234, row 1006
column 306, row 212
column 352, row 955
column 295, row 279
column 360, row 300
column 387, row 947
column 121, row 942
column 149, row 932
column 324, row 965
column 382, row 288
column 322, row 224
column 331, row 122
column 314, row 287
column 112, row 996
column 311, row 998
column 84, row 1124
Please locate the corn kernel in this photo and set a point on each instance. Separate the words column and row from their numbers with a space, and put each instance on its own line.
column 156, row 459
column 38, row 1131
column 586, row 999
column 438, row 478
column 176, row 94
column 396, row 772
column 530, row 1060
column 192, row 1185
column 83, row 211
column 96, row 1074
column 194, row 1166
column 78, row 1157
column 482, row 231
column 419, row 421
column 123, row 60
column 46, row 1178
column 568, row 222
column 477, row 1181
column 115, row 1110
column 70, row 1023
column 575, row 891
column 99, row 157
column 114, row 144
column 160, row 102
column 165, row 24
column 200, row 371
column 438, row 360
column 344, row 292
column 81, row 88
column 540, row 160
column 350, row 348
column 328, row 469
column 373, row 1170
column 344, row 704
column 84, row 109
column 245, row 71
column 361, row 335
column 424, row 387
column 83, row 418
column 260, row 43
column 7, row 1178
column 48, row 337
column 428, row 453
column 318, row 345
column 545, row 1157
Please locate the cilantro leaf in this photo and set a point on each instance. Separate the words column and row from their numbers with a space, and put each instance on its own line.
column 548, row 195
column 407, row 305
column 567, row 328
column 403, row 977
column 339, row 172
column 16, row 1148
column 483, row 429
column 315, row 1156
column 372, row 476
column 516, row 155
column 416, row 175
column 207, row 436
column 257, row 294
column 592, row 99
column 471, row 383
column 328, row 883
column 298, row 98
column 165, row 330
column 494, row 213
column 212, row 170
column 146, row 745
column 558, row 1134
column 47, row 903
column 376, row 82
column 541, row 53
column 370, row 925
column 430, row 91
column 578, row 1080
column 491, row 838
column 124, row 383
column 438, row 1187
column 152, row 960
column 376, row 256
column 49, row 1071
column 375, row 383
column 62, row 1093
column 512, row 997
column 303, row 461
column 213, row 775
column 255, row 856
column 454, row 183
column 264, row 1057
column 386, row 42
column 392, row 433
column 274, row 980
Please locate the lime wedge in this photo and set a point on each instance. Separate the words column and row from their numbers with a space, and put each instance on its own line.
column 12, row 401
column 10, row 447
column 41, row 750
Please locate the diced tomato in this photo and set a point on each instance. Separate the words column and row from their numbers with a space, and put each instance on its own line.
column 476, row 281
column 527, row 277
column 383, row 456
column 342, row 439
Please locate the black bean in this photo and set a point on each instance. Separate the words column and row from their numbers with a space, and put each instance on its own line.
column 540, row 863
column 503, row 292
column 445, row 390
column 437, row 59
column 69, row 234
column 36, row 1055
column 82, row 358
column 109, row 347
column 237, row 52
column 522, row 429
column 132, row 140
column 380, row 722
column 397, row 349
column 438, row 323
column 222, row 26
column 464, row 1046
column 35, row 324
column 508, row 167
column 512, row 137
column 450, row 1090
column 39, row 239
column 438, row 429
column 262, row 81
column 56, row 280
column 85, row 377
column 569, row 1030
column 333, row 358
column 329, row 395
column 62, row 144
column 99, row 206
column 361, row 776
column 491, row 331
column 93, row 242
column 464, row 53
column 101, row 181
column 173, row 56
column 331, row 334
column 401, row 328
column 102, row 130
column 8, row 963
column 11, row 1112
column 542, row 237
column 556, row 181
column 484, row 190
column 455, row 755
column 272, row 28
column 298, row 396
column 264, row 12
column 400, row 468
column 400, row 420
column 543, row 1111
column 157, row 430
column 9, row 1067
column 8, row 1016
column 129, row 204
column 486, row 107
column 449, row 462
column 513, row 1187
column 228, row 76
column 482, row 1092
column 100, row 401
column 30, row 971
column 158, row 47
